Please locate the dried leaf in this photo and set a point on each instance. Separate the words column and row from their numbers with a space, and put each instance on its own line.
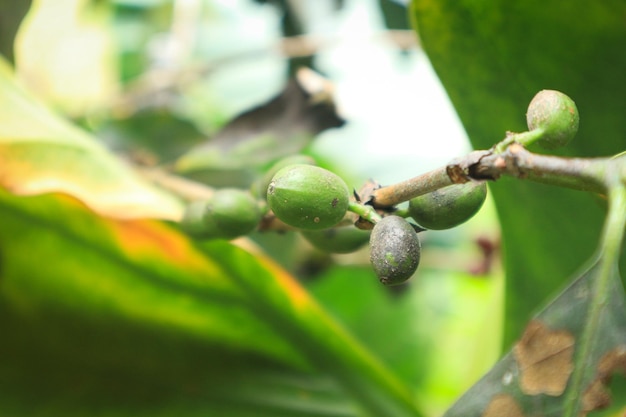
column 613, row 361
column 280, row 127
column 544, row 357
column 503, row 405
column 597, row 396
column 537, row 372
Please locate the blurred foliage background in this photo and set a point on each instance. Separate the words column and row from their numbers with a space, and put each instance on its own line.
column 152, row 80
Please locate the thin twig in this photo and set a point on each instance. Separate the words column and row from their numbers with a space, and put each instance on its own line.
column 403, row 191
column 585, row 174
column 184, row 188
column 453, row 173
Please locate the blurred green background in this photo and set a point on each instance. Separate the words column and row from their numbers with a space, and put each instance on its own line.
column 152, row 79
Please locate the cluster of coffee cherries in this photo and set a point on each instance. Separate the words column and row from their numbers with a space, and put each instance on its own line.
column 319, row 204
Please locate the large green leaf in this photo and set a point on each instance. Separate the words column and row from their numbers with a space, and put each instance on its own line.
column 131, row 318
column 11, row 15
column 536, row 378
column 125, row 315
column 492, row 57
column 41, row 152
column 563, row 362
column 424, row 331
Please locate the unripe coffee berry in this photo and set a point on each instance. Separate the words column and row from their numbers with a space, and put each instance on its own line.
column 449, row 206
column 228, row 214
column 395, row 250
column 259, row 187
column 308, row 197
column 555, row 115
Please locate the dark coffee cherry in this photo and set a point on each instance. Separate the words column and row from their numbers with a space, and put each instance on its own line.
column 448, row 207
column 395, row 250
column 555, row 115
column 308, row 197
column 342, row 239
column 228, row 214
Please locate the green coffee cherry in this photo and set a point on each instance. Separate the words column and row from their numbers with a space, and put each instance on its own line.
column 344, row 239
column 308, row 197
column 395, row 250
column 448, row 207
column 228, row 214
column 556, row 115
column 259, row 187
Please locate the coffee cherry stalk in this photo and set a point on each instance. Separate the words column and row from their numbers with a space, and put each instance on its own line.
column 298, row 195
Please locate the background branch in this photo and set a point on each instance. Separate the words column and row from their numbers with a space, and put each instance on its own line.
column 175, row 76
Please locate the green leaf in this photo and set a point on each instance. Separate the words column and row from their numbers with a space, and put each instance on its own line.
column 280, row 127
column 140, row 271
column 492, row 58
column 40, row 152
column 128, row 317
column 537, row 377
column 324, row 342
column 568, row 353
column 11, row 15
column 425, row 331
column 159, row 131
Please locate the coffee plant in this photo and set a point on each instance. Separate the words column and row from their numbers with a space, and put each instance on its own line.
column 147, row 271
column 316, row 203
column 395, row 250
column 448, row 207
column 227, row 214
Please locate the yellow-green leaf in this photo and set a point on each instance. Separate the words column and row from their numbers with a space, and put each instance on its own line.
column 128, row 315
column 40, row 152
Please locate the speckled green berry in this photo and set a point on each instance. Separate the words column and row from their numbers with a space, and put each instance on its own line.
column 394, row 250
column 555, row 115
column 343, row 239
column 448, row 207
column 259, row 187
column 228, row 214
column 308, row 197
